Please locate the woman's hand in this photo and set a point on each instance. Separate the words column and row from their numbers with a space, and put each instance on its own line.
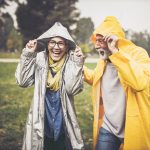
column 78, row 52
column 31, row 45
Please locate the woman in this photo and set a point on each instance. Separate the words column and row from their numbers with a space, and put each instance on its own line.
column 56, row 73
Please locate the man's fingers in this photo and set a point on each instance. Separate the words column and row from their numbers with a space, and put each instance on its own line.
column 105, row 38
column 110, row 38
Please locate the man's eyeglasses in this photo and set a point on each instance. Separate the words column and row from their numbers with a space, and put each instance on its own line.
column 59, row 44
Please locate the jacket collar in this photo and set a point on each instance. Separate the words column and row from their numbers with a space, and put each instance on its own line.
column 99, row 70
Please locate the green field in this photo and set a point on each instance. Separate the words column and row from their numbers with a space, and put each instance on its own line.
column 14, row 106
column 9, row 55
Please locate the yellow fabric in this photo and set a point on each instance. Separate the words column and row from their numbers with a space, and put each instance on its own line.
column 133, row 65
column 109, row 26
column 53, row 82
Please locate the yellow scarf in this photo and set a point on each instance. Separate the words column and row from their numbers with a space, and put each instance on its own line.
column 53, row 82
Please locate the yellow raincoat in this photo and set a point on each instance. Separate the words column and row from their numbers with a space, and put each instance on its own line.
column 133, row 65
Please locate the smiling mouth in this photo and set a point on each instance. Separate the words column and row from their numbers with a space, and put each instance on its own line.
column 56, row 53
column 101, row 52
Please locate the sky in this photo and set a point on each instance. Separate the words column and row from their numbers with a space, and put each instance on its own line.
column 132, row 14
column 11, row 10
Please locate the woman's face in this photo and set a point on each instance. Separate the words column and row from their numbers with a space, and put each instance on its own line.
column 57, row 48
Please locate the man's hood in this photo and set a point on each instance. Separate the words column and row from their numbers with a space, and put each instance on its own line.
column 57, row 30
column 110, row 26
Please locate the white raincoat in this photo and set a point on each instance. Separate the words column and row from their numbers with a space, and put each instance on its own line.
column 33, row 69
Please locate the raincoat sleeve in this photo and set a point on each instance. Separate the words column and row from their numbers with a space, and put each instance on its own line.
column 73, row 75
column 88, row 75
column 25, row 70
column 132, row 67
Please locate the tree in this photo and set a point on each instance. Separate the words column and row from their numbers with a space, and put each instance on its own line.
column 36, row 16
column 84, row 29
column 14, row 41
column 4, row 3
column 142, row 39
column 1, row 34
column 6, row 24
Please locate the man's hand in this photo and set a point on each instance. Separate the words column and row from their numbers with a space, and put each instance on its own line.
column 111, row 42
column 31, row 45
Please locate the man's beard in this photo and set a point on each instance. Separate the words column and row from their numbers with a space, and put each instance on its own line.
column 103, row 53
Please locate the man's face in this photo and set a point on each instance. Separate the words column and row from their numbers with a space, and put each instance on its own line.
column 57, row 48
column 101, row 47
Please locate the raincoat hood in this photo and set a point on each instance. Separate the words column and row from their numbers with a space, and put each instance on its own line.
column 57, row 30
column 110, row 26
column 133, row 65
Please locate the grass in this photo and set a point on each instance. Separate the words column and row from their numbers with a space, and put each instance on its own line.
column 9, row 55
column 15, row 103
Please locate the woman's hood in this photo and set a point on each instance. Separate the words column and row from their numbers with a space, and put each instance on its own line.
column 57, row 30
column 110, row 26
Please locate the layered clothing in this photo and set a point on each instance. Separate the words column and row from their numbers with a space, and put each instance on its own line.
column 33, row 68
column 133, row 66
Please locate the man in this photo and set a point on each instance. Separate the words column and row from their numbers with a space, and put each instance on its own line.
column 120, row 90
column 56, row 73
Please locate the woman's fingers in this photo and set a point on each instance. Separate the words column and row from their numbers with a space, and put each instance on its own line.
column 32, row 44
column 78, row 51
